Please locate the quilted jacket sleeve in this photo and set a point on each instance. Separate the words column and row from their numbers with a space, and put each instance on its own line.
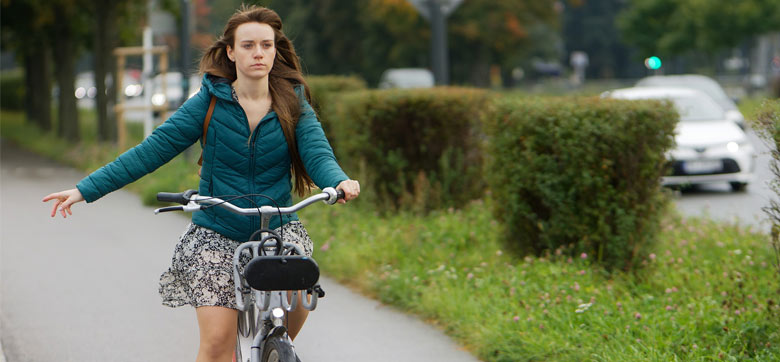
column 315, row 151
column 177, row 133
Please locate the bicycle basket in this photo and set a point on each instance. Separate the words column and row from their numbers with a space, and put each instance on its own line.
column 269, row 273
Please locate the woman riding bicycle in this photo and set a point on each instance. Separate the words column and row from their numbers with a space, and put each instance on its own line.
column 262, row 134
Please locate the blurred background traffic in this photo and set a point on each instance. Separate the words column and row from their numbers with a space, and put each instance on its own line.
column 65, row 49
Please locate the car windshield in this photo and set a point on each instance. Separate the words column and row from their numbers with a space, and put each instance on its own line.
column 694, row 109
column 711, row 88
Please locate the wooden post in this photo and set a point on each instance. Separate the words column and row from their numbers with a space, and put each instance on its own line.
column 163, row 85
column 120, row 108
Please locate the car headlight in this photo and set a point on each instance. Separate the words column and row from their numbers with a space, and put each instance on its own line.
column 158, row 99
column 735, row 147
column 80, row 92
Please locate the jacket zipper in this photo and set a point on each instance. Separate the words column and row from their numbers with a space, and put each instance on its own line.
column 252, row 137
column 250, row 177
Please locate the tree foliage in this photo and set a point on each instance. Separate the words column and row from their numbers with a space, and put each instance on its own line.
column 503, row 33
column 673, row 27
column 365, row 37
column 41, row 31
column 589, row 26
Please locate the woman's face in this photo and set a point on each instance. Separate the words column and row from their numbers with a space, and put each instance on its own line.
column 254, row 50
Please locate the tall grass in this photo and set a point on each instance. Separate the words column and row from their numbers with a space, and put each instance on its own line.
column 706, row 293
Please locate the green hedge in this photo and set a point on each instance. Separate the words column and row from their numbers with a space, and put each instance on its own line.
column 412, row 148
column 579, row 172
column 325, row 87
column 326, row 90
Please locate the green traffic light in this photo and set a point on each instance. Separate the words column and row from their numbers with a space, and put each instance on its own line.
column 653, row 63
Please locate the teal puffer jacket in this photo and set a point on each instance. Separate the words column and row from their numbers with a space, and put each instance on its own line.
column 235, row 162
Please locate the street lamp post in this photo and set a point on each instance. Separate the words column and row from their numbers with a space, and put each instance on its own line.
column 436, row 11
column 185, row 50
column 439, row 59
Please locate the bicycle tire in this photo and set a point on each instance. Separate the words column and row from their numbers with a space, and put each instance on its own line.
column 277, row 349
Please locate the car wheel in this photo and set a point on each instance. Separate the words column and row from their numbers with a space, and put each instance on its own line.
column 738, row 186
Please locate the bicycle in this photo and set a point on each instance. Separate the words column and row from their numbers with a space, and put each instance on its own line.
column 261, row 287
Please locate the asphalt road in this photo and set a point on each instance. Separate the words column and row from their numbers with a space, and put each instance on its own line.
column 85, row 288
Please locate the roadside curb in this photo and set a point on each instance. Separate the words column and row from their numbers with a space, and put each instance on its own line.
column 2, row 353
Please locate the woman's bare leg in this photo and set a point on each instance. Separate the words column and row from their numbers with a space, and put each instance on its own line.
column 218, row 329
column 296, row 318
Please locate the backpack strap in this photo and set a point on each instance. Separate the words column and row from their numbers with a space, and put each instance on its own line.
column 206, row 125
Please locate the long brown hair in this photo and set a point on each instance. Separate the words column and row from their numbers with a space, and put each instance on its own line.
column 285, row 74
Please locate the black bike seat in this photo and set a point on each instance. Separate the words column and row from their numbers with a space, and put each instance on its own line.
column 269, row 273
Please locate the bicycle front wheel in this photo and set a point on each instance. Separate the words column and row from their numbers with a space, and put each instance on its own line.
column 277, row 349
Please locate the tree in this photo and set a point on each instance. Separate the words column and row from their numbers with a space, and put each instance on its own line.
column 115, row 22
column 496, row 32
column 106, row 38
column 24, row 30
column 676, row 27
column 65, row 33
column 589, row 26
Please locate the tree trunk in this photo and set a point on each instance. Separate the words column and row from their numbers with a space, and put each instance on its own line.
column 38, row 85
column 480, row 68
column 64, row 52
column 29, row 84
column 105, row 42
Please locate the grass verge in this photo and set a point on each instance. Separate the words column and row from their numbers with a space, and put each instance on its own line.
column 708, row 292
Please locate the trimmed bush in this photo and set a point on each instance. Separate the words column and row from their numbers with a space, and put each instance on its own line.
column 413, row 148
column 325, row 91
column 324, row 87
column 579, row 174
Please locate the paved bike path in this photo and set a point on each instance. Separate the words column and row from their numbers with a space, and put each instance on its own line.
column 85, row 288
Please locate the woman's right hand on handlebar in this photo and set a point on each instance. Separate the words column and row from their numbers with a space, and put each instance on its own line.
column 64, row 201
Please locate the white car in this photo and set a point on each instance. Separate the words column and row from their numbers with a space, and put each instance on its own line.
column 701, row 83
column 406, row 78
column 710, row 148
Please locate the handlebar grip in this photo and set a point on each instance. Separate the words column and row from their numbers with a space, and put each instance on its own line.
column 180, row 197
column 170, row 208
column 339, row 194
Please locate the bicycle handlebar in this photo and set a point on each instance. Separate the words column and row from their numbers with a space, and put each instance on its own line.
column 181, row 197
column 194, row 202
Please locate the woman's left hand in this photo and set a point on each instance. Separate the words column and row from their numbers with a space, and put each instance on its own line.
column 351, row 190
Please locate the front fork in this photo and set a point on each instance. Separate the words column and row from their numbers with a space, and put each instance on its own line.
column 269, row 324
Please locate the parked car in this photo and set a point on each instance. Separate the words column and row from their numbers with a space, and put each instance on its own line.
column 406, row 78
column 710, row 148
column 701, row 83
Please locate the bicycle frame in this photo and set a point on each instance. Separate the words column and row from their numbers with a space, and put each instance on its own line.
column 261, row 313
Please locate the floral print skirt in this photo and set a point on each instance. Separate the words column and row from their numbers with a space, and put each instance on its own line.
column 201, row 273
